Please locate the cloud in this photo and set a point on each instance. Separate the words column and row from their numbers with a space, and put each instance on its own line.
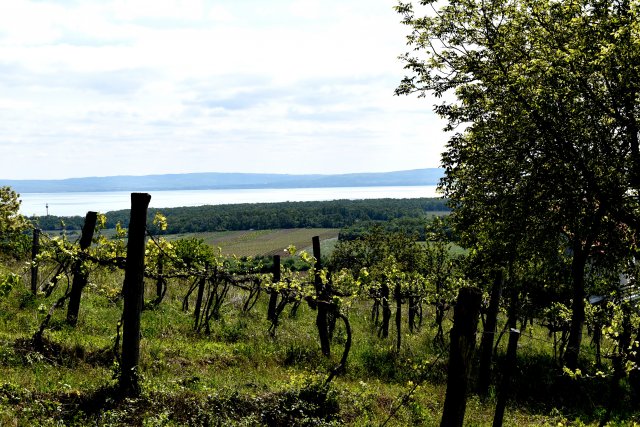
column 204, row 85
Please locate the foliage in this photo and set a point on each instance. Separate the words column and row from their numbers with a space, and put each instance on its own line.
column 238, row 374
column 8, row 282
column 12, row 224
column 412, row 226
column 548, row 158
column 265, row 216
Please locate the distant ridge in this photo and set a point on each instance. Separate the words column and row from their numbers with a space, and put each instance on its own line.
column 219, row 181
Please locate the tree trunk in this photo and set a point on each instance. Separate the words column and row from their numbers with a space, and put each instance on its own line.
column 486, row 346
column 510, row 362
column 572, row 352
column 463, row 343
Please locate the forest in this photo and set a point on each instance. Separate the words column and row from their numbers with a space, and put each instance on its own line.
column 263, row 216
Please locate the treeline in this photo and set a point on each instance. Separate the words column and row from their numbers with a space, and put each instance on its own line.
column 262, row 216
column 414, row 227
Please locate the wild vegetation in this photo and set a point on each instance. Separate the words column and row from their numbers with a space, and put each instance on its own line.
column 265, row 216
column 234, row 359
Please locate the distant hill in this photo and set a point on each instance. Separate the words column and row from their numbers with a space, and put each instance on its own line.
column 212, row 181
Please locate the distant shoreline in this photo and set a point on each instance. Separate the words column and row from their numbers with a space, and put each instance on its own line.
column 79, row 202
column 226, row 181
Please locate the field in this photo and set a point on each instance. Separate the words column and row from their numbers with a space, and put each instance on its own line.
column 237, row 375
column 240, row 375
column 240, row 371
column 265, row 242
column 252, row 242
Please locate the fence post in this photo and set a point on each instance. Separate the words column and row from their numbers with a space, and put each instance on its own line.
column 35, row 248
column 198, row 309
column 80, row 276
column 386, row 310
column 160, row 282
column 397, row 293
column 488, row 333
column 463, row 343
column 133, row 292
column 510, row 363
column 322, row 301
column 273, row 298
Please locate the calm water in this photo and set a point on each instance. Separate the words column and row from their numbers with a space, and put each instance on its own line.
column 67, row 204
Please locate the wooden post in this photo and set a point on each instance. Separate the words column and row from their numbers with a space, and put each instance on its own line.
column 133, row 292
column 322, row 299
column 273, row 298
column 510, row 363
column 634, row 375
column 196, row 312
column 160, row 282
column 486, row 345
column 412, row 311
column 35, row 248
column 80, row 276
column 463, row 343
column 386, row 310
column 398, row 296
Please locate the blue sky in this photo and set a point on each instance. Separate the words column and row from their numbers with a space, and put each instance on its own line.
column 137, row 87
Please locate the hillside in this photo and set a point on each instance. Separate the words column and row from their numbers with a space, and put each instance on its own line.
column 208, row 181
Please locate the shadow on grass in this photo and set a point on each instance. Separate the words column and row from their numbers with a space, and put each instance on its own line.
column 541, row 386
column 313, row 404
column 48, row 351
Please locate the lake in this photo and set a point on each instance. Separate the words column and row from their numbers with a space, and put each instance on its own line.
column 68, row 204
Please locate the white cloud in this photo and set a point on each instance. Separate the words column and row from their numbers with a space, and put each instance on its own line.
column 206, row 85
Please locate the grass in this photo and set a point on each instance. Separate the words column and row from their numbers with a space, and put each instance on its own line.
column 239, row 375
column 253, row 242
column 264, row 242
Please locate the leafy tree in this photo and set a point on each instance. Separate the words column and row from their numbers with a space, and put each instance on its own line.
column 12, row 223
column 547, row 93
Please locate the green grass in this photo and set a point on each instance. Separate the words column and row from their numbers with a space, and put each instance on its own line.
column 253, row 242
column 239, row 375
column 263, row 242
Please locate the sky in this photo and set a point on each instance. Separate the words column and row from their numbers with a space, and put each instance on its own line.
column 139, row 87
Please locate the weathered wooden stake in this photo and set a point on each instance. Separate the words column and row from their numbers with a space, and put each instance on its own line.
column 160, row 282
column 35, row 248
column 79, row 276
column 322, row 300
column 510, row 363
column 488, row 334
column 196, row 312
column 133, row 292
column 273, row 298
column 463, row 343
column 398, row 296
column 386, row 311
column 412, row 310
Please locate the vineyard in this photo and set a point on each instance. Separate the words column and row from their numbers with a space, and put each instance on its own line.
column 385, row 331
column 512, row 300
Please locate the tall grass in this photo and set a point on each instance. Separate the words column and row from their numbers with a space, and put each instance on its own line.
column 240, row 375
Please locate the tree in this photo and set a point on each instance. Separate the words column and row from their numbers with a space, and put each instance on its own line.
column 547, row 95
column 12, row 223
